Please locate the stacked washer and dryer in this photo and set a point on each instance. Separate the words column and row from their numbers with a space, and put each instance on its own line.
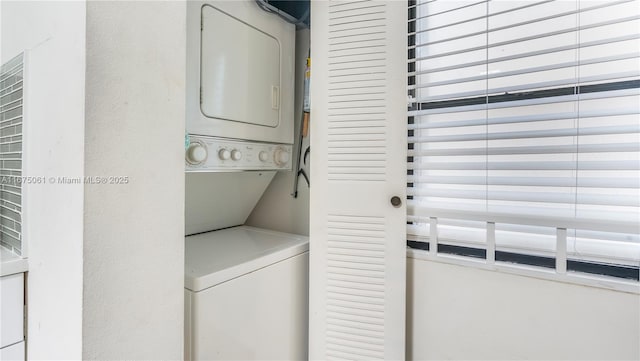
column 246, row 288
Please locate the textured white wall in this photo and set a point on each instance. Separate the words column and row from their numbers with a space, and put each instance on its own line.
column 464, row 313
column 277, row 209
column 134, row 233
column 54, row 33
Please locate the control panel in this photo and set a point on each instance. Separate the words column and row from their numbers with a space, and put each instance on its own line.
column 210, row 154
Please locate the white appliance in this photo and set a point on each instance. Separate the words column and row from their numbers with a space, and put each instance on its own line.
column 246, row 295
column 240, row 81
column 246, row 288
column 240, row 72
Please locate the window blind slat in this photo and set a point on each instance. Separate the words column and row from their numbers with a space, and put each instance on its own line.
column 557, row 149
column 594, row 224
column 422, row 123
column 631, row 183
column 594, row 199
column 545, row 165
column 530, row 86
column 628, row 129
column 521, row 103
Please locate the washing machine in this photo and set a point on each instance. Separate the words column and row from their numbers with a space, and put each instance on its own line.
column 246, row 295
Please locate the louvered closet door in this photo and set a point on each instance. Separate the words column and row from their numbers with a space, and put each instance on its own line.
column 358, row 252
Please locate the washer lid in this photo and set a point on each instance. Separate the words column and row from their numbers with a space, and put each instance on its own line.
column 218, row 256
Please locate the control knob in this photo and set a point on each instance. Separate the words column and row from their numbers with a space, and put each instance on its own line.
column 281, row 157
column 196, row 153
column 236, row 154
column 263, row 156
column 224, row 154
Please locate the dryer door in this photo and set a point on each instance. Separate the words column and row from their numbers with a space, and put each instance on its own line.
column 240, row 71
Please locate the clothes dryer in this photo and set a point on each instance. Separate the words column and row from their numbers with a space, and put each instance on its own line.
column 240, row 72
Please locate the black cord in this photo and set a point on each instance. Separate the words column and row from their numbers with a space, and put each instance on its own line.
column 306, row 153
column 304, row 174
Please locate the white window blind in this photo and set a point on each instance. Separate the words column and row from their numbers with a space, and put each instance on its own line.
column 524, row 132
